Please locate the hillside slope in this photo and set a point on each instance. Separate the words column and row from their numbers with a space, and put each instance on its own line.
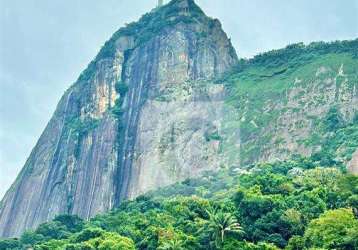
column 282, row 97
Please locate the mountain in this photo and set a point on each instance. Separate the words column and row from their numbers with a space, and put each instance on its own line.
column 167, row 99
column 114, row 131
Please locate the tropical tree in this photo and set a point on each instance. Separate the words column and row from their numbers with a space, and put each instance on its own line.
column 112, row 241
column 172, row 239
column 9, row 244
column 173, row 244
column 221, row 223
column 335, row 229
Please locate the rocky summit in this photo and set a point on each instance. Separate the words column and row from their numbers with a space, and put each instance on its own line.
column 167, row 99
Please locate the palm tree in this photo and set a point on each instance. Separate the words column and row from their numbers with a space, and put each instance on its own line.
column 173, row 244
column 221, row 223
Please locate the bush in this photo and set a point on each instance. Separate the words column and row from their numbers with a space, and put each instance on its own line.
column 10, row 244
column 333, row 120
column 51, row 245
column 31, row 238
column 73, row 223
column 83, row 127
column 87, row 234
column 117, row 109
column 53, row 230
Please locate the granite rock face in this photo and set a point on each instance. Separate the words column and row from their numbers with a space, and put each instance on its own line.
column 90, row 158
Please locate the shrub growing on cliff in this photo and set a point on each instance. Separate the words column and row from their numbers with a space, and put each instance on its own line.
column 121, row 88
column 333, row 120
column 117, row 108
column 83, row 127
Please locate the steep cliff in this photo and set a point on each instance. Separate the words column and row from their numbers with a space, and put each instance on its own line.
column 167, row 99
column 115, row 132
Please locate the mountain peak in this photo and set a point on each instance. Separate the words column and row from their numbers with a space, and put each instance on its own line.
column 103, row 144
column 182, row 3
column 185, row 12
column 181, row 7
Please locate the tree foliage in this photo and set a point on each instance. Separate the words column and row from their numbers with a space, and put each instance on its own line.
column 335, row 229
column 293, row 204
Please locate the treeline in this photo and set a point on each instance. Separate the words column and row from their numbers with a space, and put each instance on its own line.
column 300, row 53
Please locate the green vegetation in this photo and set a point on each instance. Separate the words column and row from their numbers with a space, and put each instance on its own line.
column 338, row 146
column 292, row 204
column 121, row 88
column 299, row 54
column 220, row 224
column 333, row 120
column 213, row 136
column 291, row 83
column 336, row 229
column 79, row 128
column 83, row 127
column 117, row 108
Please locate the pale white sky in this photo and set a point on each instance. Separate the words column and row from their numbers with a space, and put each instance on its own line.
column 44, row 46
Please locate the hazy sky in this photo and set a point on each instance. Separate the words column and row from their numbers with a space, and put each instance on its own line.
column 44, row 46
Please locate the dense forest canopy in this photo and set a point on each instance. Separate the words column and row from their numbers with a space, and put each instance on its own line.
column 292, row 205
